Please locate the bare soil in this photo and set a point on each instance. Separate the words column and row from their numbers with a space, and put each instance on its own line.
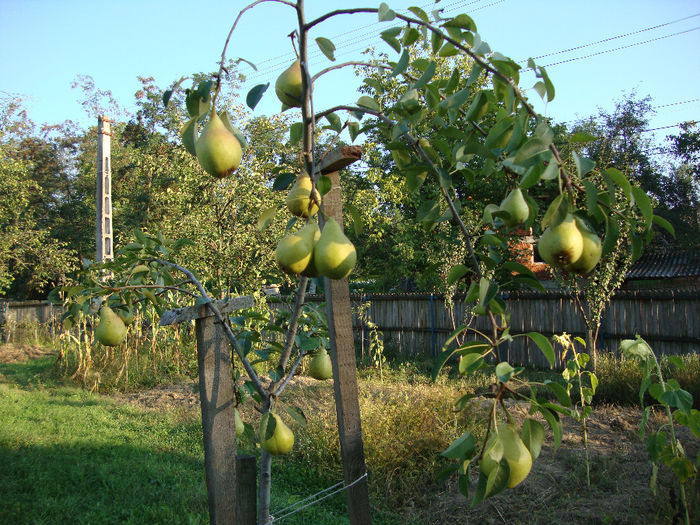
column 554, row 492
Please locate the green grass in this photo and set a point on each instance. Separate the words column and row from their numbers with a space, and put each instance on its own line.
column 70, row 456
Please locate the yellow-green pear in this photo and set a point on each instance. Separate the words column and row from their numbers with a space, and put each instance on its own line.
column 562, row 244
column 592, row 250
column 506, row 443
column 517, row 208
column 288, row 86
column 238, row 422
column 334, row 254
column 218, row 150
column 294, row 251
column 311, row 270
column 299, row 201
column 275, row 437
column 110, row 331
column 320, row 366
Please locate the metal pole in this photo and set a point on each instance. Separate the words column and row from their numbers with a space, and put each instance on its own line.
column 103, row 195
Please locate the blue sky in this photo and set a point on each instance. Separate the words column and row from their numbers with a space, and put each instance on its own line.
column 47, row 44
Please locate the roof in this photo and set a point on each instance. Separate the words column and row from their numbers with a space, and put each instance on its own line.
column 665, row 265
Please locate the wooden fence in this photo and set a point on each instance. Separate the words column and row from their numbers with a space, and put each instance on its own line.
column 22, row 319
column 420, row 323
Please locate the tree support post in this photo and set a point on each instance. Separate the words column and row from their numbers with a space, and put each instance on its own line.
column 217, row 405
column 343, row 349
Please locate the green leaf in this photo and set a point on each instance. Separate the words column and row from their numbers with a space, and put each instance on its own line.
column 426, row 77
column 296, row 131
column 297, row 413
column 530, row 178
column 532, row 147
column 419, row 13
column 456, row 273
column 487, row 291
column 583, row 165
column 410, row 36
column 255, row 94
column 679, row 399
column 470, row 363
column 189, row 136
column 554, row 423
column 560, row 392
column 660, row 221
column 389, row 36
column 470, row 347
column 327, row 47
column 644, row 204
column 226, row 119
column 266, row 217
column 368, row 102
column 323, row 184
column 541, row 89
column 544, row 345
column 385, row 13
column 334, row 121
column 356, row 218
column 690, row 420
column 282, row 181
column 532, row 435
column 581, row 137
column 548, row 84
column 504, row 371
column 462, row 448
column 401, row 65
column 354, row 130
column 612, row 233
column 166, row 96
column 456, row 101
column 436, row 41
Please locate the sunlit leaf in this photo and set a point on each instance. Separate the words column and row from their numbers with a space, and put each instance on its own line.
column 255, row 94
column 327, row 47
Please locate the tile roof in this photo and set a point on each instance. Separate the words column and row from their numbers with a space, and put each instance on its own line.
column 664, row 265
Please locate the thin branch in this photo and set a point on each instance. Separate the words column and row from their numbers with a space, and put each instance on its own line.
column 328, row 111
column 228, row 38
column 278, row 389
column 346, row 64
column 330, row 14
column 227, row 329
column 157, row 286
column 293, row 322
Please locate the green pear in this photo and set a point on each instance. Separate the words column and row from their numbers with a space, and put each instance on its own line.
column 238, row 422
column 562, row 244
column 288, row 86
column 592, row 250
column 299, row 200
column 517, row 208
column 294, row 252
column 311, row 270
column 218, row 150
column 334, row 254
column 275, row 437
column 506, row 443
column 110, row 331
column 320, row 366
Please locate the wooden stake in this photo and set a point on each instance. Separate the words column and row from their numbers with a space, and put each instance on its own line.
column 343, row 351
column 218, row 405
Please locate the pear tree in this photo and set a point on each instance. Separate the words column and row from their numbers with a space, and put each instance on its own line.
column 481, row 119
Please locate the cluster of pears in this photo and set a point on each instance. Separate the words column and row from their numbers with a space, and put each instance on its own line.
column 506, row 444
column 275, row 437
column 310, row 251
column 320, row 366
column 111, row 329
column 218, row 150
column 571, row 245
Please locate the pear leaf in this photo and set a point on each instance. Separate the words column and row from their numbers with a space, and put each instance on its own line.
column 295, row 132
column 356, row 218
column 327, row 47
column 323, row 185
column 255, row 94
column 386, row 14
column 545, row 346
column 456, row 273
column 532, row 435
column 266, row 217
column 282, row 181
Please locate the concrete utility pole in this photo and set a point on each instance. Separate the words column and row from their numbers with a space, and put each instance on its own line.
column 103, row 231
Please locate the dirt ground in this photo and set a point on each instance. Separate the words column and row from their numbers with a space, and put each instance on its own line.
column 554, row 492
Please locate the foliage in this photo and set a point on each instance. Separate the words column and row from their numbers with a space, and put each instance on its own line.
column 662, row 444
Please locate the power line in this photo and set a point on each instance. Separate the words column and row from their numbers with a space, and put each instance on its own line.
column 613, row 38
column 668, row 127
column 622, row 47
column 676, row 103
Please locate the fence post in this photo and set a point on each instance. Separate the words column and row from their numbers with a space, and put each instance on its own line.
column 217, row 404
column 343, row 349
